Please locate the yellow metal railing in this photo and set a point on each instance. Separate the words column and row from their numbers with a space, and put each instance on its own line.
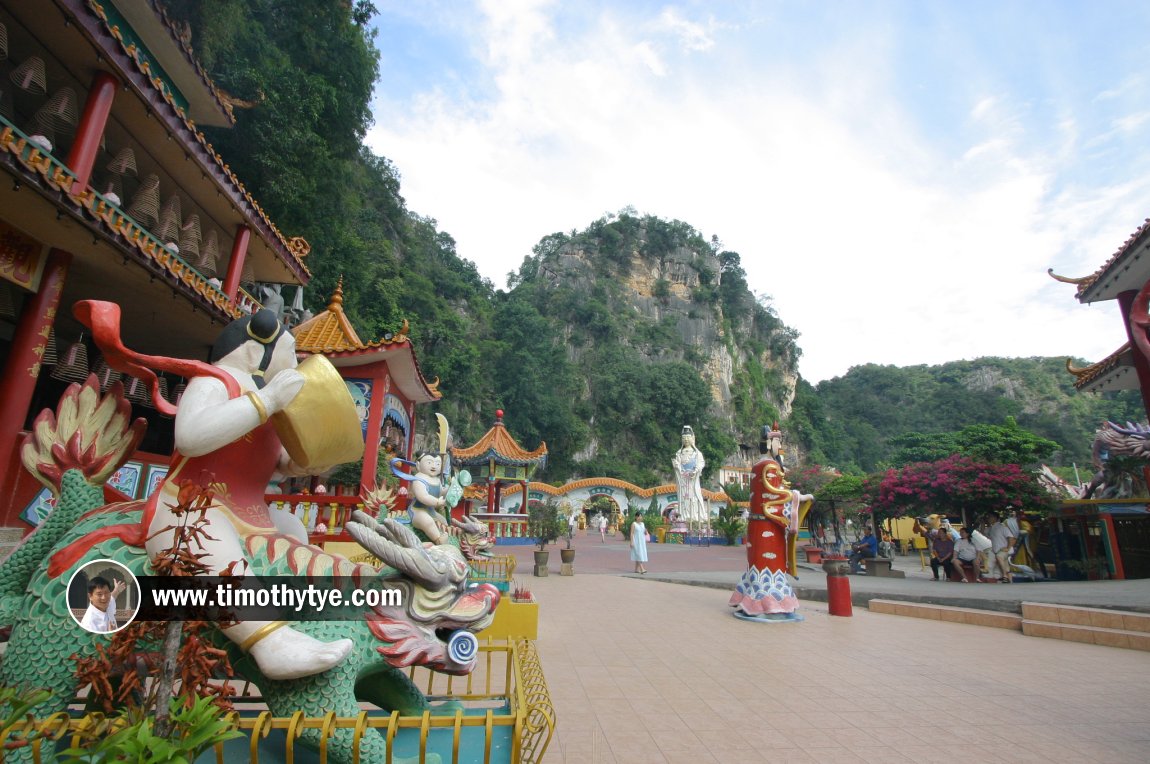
column 493, row 570
column 509, row 674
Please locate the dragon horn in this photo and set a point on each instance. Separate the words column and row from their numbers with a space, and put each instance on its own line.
column 364, row 518
column 468, row 525
column 412, row 561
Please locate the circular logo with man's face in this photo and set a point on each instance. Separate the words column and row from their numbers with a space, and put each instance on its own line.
column 103, row 596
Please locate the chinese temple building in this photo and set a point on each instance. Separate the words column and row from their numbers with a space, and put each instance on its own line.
column 386, row 384
column 384, row 379
column 109, row 191
column 1115, row 532
column 496, row 460
column 1125, row 277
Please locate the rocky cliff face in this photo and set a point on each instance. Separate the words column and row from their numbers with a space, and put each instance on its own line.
column 657, row 294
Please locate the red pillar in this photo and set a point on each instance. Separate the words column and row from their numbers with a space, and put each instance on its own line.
column 1141, row 363
column 839, row 596
column 23, row 367
column 236, row 262
column 82, row 157
column 1115, row 552
column 368, row 476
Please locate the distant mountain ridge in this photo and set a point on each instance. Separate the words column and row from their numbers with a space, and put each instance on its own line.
column 847, row 421
column 607, row 340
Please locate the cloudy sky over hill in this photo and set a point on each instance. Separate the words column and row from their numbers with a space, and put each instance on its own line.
column 896, row 176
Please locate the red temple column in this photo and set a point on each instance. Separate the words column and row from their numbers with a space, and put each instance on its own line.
column 236, row 262
column 23, row 366
column 368, row 476
column 1115, row 551
column 82, row 157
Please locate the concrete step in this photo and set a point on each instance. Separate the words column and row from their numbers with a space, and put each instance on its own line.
column 933, row 612
column 1069, row 615
column 1094, row 635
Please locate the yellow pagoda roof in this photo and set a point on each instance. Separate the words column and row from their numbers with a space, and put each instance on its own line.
column 498, row 444
column 331, row 334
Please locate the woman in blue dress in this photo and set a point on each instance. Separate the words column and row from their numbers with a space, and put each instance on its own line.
column 639, row 543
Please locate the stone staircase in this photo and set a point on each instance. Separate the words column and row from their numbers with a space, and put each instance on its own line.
column 933, row 612
column 1096, row 626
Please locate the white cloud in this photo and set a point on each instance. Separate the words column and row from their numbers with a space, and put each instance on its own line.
column 692, row 35
column 875, row 243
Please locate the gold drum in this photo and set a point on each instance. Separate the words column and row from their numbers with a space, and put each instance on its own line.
column 320, row 427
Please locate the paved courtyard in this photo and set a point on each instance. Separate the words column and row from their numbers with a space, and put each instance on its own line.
column 647, row 671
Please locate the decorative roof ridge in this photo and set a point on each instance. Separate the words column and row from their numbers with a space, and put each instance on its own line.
column 1089, row 281
column 293, row 249
column 1084, row 375
column 643, row 493
column 331, row 333
column 185, row 45
column 497, row 441
column 1068, row 279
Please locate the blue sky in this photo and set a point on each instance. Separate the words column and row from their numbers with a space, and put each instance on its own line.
column 896, row 176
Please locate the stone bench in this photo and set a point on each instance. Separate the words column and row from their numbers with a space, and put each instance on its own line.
column 881, row 568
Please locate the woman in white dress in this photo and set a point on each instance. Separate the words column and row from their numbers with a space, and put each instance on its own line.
column 639, row 543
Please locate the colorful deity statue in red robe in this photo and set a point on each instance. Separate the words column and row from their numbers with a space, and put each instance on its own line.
column 764, row 593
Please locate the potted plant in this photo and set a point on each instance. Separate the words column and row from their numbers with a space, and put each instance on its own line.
column 567, row 554
column 656, row 526
column 729, row 525
column 544, row 525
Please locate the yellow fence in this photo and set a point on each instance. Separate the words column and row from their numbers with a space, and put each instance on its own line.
column 497, row 570
column 507, row 674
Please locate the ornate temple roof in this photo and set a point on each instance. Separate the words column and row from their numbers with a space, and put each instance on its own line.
column 1125, row 270
column 1115, row 372
column 498, row 444
column 331, row 334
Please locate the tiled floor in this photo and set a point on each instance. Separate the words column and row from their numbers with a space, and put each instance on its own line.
column 641, row 671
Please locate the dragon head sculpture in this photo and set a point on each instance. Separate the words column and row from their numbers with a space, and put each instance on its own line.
column 434, row 625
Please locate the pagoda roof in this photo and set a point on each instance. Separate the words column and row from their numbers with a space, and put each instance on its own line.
column 331, row 334
column 1126, row 270
column 1115, row 372
column 498, row 445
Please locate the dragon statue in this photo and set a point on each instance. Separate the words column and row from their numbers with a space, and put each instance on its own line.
column 1121, row 454
column 75, row 450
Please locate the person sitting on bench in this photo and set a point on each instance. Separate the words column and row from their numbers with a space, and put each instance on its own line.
column 942, row 556
column 867, row 546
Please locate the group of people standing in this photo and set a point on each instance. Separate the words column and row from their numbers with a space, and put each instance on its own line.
column 974, row 554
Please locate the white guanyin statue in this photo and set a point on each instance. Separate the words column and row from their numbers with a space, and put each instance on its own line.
column 688, row 463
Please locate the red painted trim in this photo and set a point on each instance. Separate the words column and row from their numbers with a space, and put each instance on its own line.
column 368, row 477
column 23, row 367
column 82, row 157
column 236, row 261
column 1115, row 551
